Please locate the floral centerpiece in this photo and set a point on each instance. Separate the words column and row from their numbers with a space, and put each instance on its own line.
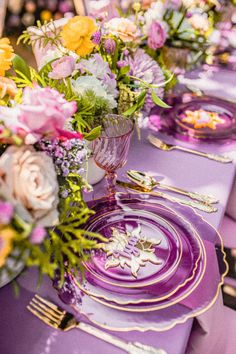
column 174, row 32
column 41, row 204
column 99, row 65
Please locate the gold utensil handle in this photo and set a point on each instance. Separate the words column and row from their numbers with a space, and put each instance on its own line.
column 218, row 158
column 193, row 195
column 208, row 208
column 129, row 347
column 202, row 198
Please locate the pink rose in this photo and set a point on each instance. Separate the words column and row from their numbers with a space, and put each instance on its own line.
column 45, row 111
column 156, row 35
column 62, row 68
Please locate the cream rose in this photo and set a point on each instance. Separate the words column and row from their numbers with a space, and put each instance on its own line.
column 123, row 28
column 28, row 180
column 200, row 22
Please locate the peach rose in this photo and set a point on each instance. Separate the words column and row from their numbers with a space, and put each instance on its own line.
column 28, row 180
column 123, row 28
column 7, row 87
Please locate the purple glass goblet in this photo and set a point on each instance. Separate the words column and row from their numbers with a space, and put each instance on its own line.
column 111, row 148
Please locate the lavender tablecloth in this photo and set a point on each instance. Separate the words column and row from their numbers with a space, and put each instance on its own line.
column 21, row 333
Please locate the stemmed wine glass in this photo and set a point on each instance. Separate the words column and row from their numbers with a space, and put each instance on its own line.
column 111, row 148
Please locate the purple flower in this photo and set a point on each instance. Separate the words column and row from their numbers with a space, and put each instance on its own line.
column 121, row 63
column 38, row 235
column 156, row 35
column 154, row 122
column 62, row 68
column 6, row 213
column 96, row 39
column 144, row 67
column 110, row 46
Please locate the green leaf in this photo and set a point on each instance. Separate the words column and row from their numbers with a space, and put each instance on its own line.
column 21, row 66
column 141, row 98
column 159, row 101
column 131, row 110
column 123, row 71
column 93, row 134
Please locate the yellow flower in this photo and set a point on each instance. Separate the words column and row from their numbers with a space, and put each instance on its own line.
column 77, row 33
column 6, row 55
column 6, row 237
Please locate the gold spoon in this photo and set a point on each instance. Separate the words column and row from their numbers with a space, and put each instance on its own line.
column 148, row 182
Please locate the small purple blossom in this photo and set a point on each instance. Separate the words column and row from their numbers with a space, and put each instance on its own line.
column 96, row 39
column 6, row 213
column 156, row 35
column 68, row 155
column 110, row 46
column 126, row 52
column 144, row 67
column 38, row 235
column 121, row 63
column 64, row 193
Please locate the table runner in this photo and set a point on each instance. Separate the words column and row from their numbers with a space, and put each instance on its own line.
column 21, row 333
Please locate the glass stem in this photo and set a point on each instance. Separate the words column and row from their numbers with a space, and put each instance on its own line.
column 111, row 182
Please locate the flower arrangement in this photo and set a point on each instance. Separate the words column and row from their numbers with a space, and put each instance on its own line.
column 41, row 162
column 96, row 68
column 174, row 32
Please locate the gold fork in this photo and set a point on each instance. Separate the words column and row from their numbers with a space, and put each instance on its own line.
column 53, row 316
column 168, row 147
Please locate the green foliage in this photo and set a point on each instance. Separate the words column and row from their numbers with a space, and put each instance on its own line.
column 91, row 110
column 20, row 65
column 45, row 33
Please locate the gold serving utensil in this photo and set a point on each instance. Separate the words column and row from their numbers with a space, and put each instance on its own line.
column 168, row 147
column 148, row 182
column 54, row 317
column 208, row 208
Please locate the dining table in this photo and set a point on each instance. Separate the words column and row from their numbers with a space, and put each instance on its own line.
column 23, row 333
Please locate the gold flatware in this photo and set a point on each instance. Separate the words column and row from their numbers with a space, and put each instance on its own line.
column 54, row 317
column 168, row 147
column 148, row 182
column 208, row 208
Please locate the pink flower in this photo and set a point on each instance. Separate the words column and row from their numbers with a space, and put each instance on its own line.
column 6, row 212
column 44, row 111
column 62, row 68
column 156, row 35
column 38, row 234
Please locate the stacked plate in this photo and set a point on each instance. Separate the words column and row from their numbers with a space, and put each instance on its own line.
column 206, row 118
column 149, row 272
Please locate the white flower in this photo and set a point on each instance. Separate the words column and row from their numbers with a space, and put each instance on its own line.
column 91, row 83
column 28, row 180
column 200, row 22
column 155, row 13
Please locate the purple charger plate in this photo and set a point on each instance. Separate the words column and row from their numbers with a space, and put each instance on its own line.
column 198, row 301
column 172, row 124
column 189, row 269
column 225, row 110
